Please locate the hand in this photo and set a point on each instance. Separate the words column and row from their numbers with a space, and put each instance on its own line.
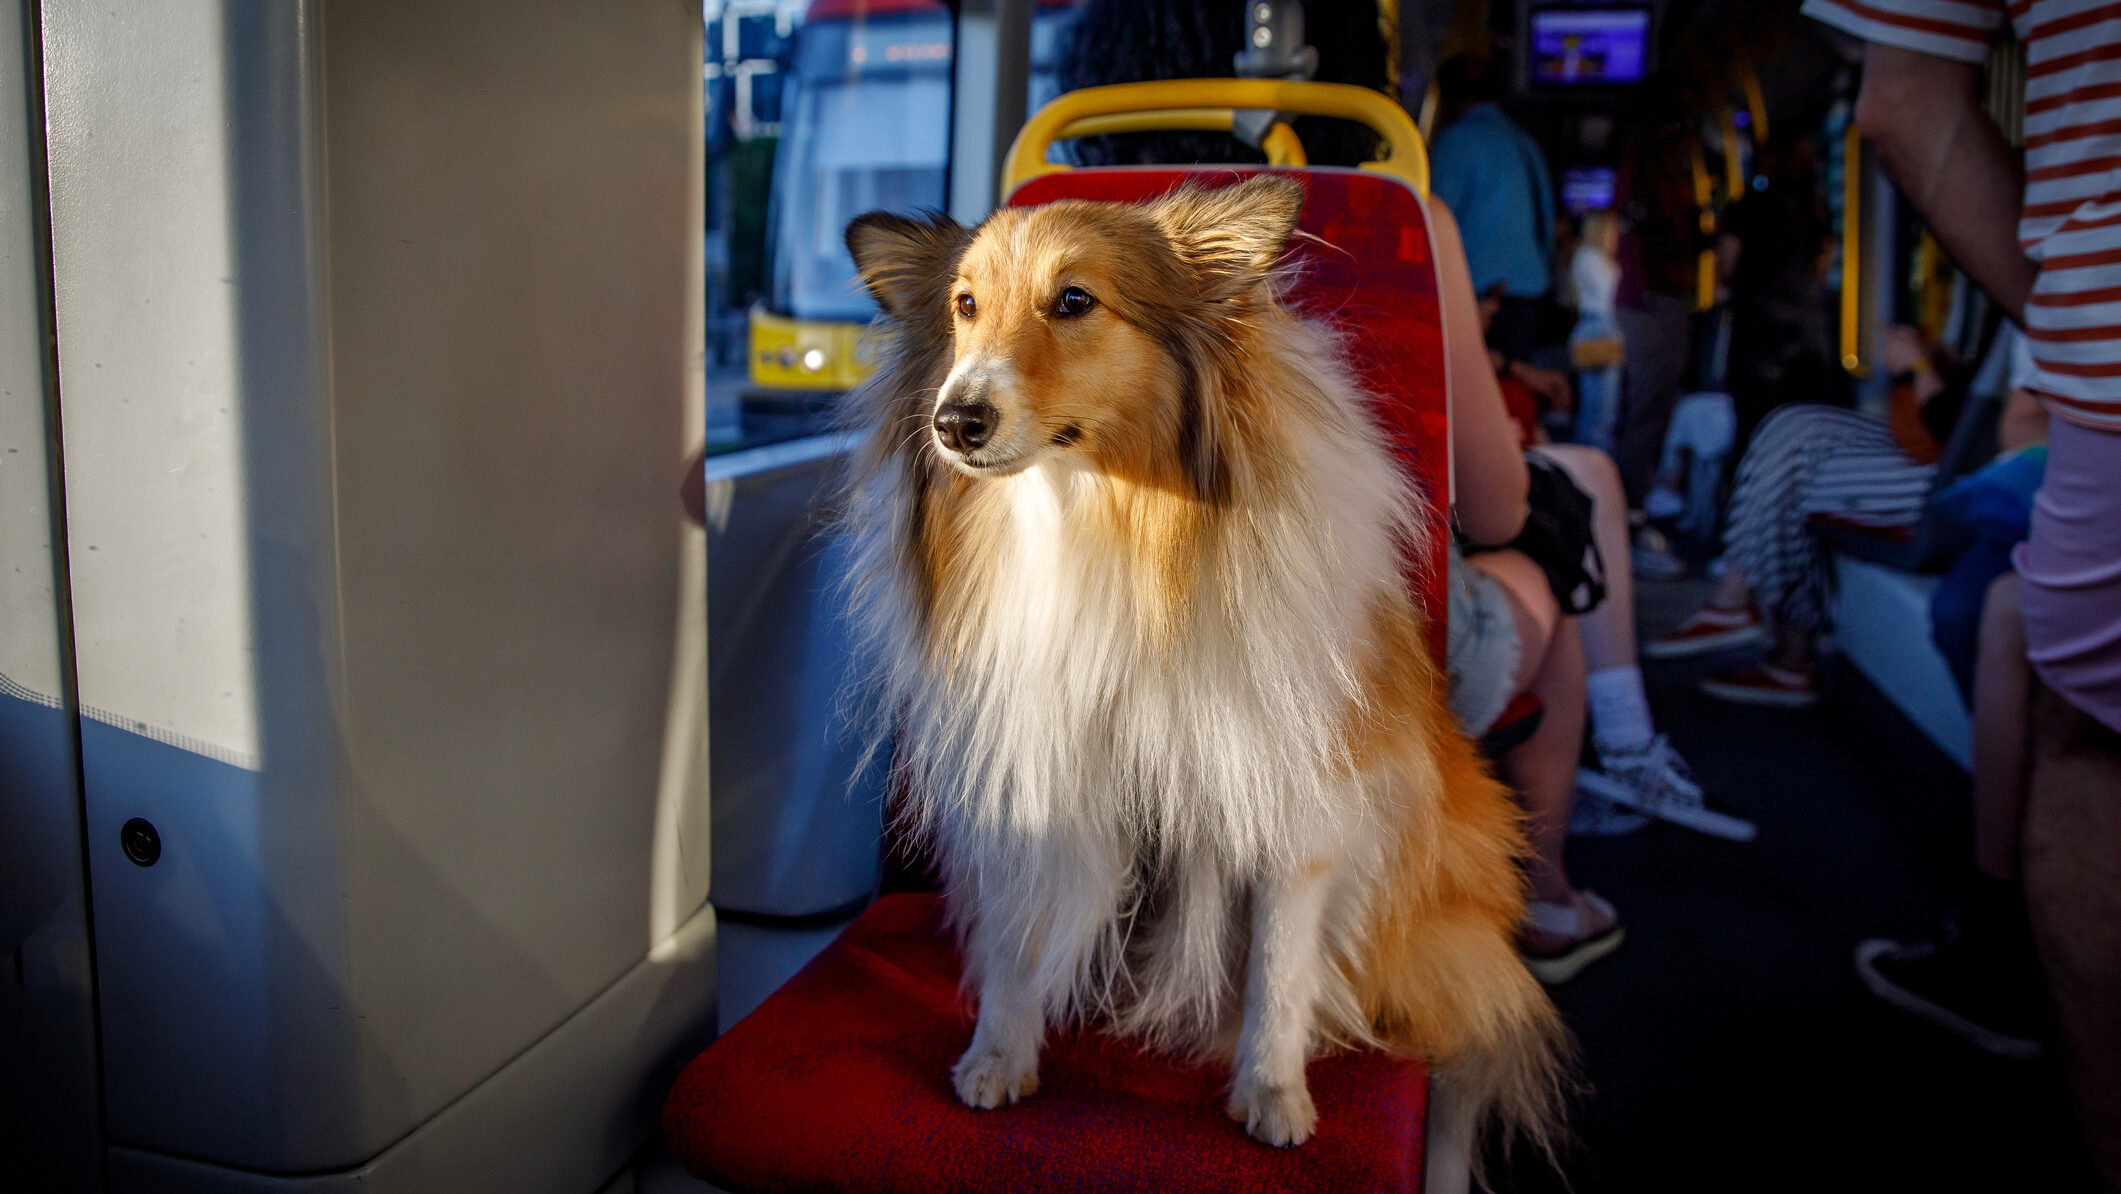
column 1550, row 384
column 1904, row 350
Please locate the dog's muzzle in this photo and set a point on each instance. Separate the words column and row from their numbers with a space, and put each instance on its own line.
column 965, row 426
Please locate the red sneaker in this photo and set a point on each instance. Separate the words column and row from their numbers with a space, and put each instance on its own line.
column 1766, row 684
column 1709, row 629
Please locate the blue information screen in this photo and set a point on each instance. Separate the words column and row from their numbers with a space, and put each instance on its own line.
column 1589, row 45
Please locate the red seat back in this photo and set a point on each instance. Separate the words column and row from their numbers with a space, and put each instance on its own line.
column 1371, row 276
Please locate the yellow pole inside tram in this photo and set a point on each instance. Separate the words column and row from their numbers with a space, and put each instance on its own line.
column 1851, row 251
column 1704, row 203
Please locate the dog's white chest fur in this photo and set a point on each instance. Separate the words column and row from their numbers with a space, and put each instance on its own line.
column 1223, row 737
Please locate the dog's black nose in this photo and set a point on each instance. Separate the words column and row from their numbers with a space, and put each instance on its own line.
column 963, row 426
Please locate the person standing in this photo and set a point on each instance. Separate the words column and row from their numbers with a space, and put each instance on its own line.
column 2043, row 237
column 1492, row 175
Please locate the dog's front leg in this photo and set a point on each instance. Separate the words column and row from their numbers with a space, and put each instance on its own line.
column 1038, row 930
column 1282, row 983
column 1002, row 1064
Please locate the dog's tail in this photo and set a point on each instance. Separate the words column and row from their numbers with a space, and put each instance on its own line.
column 1442, row 977
column 1513, row 1080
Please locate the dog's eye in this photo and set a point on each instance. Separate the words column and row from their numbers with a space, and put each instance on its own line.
column 966, row 308
column 1073, row 302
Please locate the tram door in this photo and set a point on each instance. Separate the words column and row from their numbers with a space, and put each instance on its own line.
column 352, row 646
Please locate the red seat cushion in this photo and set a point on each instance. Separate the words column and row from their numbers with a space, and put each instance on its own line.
column 1824, row 521
column 841, row 1081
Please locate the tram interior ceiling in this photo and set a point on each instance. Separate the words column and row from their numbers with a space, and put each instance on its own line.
column 401, row 782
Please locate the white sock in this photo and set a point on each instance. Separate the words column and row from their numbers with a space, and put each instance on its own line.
column 1620, row 710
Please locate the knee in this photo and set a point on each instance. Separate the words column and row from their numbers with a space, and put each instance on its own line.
column 2003, row 617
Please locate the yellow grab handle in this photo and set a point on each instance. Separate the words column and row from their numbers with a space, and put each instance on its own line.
column 1154, row 105
column 1281, row 144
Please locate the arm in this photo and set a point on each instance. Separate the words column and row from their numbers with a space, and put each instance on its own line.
column 1924, row 115
column 2022, row 421
column 1492, row 482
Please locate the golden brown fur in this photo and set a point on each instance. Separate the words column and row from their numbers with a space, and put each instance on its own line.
column 1184, row 520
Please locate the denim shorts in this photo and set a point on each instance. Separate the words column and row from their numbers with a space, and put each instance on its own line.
column 1482, row 650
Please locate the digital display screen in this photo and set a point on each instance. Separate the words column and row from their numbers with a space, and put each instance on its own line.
column 1587, row 188
column 1595, row 46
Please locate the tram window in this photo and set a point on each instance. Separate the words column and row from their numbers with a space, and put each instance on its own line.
column 828, row 109
column 1050, row 25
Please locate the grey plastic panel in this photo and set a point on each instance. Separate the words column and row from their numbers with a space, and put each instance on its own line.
column 379, row 345
column 510, row 1135
column 795, row 826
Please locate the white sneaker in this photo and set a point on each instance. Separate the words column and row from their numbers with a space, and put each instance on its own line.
column 1592, row 815
column 1655, row 780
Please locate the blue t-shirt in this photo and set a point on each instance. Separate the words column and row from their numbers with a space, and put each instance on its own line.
column 1490, row 174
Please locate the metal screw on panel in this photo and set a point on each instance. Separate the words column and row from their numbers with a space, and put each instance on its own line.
column 140, row 841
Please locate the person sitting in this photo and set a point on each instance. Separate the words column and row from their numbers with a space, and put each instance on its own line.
column 1803, row 460
column 1507, row 633
column 1639, row 771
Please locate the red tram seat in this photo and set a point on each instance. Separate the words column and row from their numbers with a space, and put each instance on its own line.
column 840, row 1080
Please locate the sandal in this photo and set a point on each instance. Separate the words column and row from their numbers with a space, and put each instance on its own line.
column 1579, row 945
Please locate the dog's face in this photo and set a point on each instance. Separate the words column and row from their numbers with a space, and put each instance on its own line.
column 1071, row 326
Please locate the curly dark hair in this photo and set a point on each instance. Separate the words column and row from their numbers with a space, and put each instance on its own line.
column 1129, row 41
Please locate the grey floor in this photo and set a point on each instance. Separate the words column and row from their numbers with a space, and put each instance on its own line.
column 1728, row 1045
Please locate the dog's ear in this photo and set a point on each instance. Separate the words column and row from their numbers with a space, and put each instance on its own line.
column 1231, row 236
column 907, row 263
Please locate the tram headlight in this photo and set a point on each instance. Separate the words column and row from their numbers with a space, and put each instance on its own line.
column 813, row 360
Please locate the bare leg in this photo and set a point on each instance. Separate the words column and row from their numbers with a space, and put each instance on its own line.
column 2073, row 896
column 1732, row 590
column 1609, row 630
column 1283, row 976
column 1543, row 768
column 2002, row 704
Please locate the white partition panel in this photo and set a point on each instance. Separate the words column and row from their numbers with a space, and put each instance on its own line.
column 379, row 333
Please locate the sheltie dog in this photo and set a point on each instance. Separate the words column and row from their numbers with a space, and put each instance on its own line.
column 1130, row 553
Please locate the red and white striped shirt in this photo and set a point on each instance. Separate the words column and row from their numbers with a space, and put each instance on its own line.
column 2071, row 225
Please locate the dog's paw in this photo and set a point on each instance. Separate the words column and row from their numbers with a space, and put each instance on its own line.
column 1278, row 1115
column 986, row 1078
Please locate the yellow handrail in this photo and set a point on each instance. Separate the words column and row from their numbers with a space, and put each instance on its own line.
column 1405, row 157
column 1733, row 168
column 1851, row 252
column 1705, row 215
column 1755, row 100
column 1281, row 144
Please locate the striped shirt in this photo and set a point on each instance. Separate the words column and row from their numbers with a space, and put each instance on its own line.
column 2071, row 225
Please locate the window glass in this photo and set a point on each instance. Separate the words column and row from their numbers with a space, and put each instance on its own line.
column 817, row 111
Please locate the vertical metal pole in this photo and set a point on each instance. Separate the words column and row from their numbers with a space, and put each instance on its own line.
column 991, row 83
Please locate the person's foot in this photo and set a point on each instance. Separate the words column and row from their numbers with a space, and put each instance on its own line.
column 1709, row 629
column 1663, row 501
column 1559, row 940
column 1592, row 815
column 1653, row 556
column 1765, row 683
column 1997, row 1008
column 1653, row 779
